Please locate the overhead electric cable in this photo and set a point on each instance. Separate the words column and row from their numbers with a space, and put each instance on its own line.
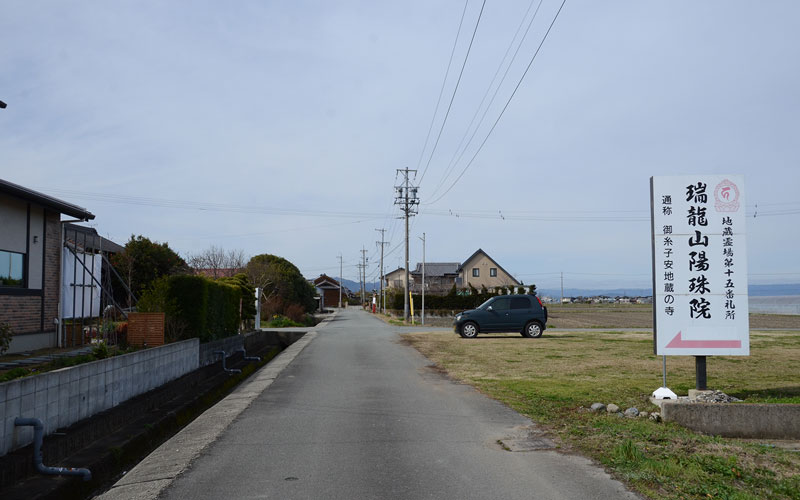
column 459, row 151
column 455, row 90
column 504, row 107
column 444, row 81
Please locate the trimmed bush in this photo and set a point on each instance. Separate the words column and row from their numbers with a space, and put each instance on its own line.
column 195, row 305
column 451, row 301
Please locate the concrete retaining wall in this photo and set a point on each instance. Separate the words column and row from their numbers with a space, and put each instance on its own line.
column 251, row 341
column 63, row 397
column 765, row 421
column 228, row 344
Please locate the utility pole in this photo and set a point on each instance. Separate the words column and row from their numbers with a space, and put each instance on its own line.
column 408, row 201
column 340, row 281
column 363, row 266
column 562, row 287
column 382, row 295
column 423, row 278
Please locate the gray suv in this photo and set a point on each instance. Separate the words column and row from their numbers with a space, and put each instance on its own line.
column 505, row 313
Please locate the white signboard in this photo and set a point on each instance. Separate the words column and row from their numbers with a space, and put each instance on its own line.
column 80, row 294
column 699, row 265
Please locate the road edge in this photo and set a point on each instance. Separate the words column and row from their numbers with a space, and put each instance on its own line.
column 148, row 479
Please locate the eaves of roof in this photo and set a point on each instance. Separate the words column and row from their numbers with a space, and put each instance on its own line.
column 47, row 201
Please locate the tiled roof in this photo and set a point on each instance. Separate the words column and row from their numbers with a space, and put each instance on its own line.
column 437, row 268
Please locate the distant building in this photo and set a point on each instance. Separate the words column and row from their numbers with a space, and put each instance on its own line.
column 328, row 290
column 439, row 277
column 396, row 279
column 479, row 270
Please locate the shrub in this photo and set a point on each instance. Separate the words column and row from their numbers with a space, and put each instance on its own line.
column 194, row 306
column 122, row 334
column 100, row 350
column 5, row 337
column 295, row 312
column 272, row 306
column 444, row 302
column 14, row 373
column 248, row 294
column 279, row 321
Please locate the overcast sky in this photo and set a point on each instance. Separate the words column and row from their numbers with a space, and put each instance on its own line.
column 278, row 127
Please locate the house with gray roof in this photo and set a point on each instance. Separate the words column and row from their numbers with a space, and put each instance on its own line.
column 439, row 277
column 31, row 246
column 479, row 270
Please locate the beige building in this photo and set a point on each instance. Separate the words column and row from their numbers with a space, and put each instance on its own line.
column 481, row 270
column 396, row 278
column 478, row 270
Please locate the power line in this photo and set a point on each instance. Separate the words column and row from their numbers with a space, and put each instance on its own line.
column 205, row 206
column 452, row 98
column 456, row 156
column 444, row 81
column 504, row 107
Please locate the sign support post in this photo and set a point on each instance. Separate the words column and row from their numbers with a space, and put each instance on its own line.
column 700, row 378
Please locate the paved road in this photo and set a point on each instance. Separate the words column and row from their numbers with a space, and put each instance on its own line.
column 359, row 415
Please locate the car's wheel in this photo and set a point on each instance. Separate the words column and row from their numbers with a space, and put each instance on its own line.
column 533, row 330
column 469, row 330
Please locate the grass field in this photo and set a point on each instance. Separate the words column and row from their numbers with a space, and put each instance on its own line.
column 637, row 316
column 615, row 316
column 555, row 378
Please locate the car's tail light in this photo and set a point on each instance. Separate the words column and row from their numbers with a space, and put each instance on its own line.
column 540, row 300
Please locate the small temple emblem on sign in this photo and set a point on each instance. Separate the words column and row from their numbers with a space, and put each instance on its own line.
column 726, row 197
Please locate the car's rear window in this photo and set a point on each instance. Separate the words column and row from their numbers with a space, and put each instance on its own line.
column 520, row 303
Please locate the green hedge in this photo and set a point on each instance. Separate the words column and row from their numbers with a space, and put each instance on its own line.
column 201, row 307
column 452, row 302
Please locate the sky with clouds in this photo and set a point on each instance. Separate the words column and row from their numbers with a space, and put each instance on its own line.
column 278, row 127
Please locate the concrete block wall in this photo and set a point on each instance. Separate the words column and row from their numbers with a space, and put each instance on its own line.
column 63, row 397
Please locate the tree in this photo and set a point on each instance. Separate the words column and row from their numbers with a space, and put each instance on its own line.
column 216, row 262
column 143, row 262
column 279, row 278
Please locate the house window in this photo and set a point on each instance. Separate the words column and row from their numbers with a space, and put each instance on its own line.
column 476, row 273
column 493, row 272
column 11, row 266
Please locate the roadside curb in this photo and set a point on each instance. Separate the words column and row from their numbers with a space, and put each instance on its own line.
column 148, row 479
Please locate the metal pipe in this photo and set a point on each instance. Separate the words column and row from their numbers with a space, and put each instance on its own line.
column 38, row 434
column 228, row 370
column 246, row 357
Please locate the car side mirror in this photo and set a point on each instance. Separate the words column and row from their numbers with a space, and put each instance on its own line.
column 489, row 308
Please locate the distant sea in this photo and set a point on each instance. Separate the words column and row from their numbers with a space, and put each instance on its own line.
column 782, row 304
column 769, row 299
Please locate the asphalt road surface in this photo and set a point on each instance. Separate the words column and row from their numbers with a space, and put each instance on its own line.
column 359, row 415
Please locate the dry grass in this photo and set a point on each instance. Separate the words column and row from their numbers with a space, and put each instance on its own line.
column 615, row 316
column 638, row 316
column 552, row 378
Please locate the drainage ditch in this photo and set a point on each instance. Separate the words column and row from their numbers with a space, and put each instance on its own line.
column 112, row 442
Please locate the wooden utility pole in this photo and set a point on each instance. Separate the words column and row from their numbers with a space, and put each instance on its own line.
column 340, row 281
column 423, row 278
column 363, row 274
column 408, row 201
column 382, row 295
